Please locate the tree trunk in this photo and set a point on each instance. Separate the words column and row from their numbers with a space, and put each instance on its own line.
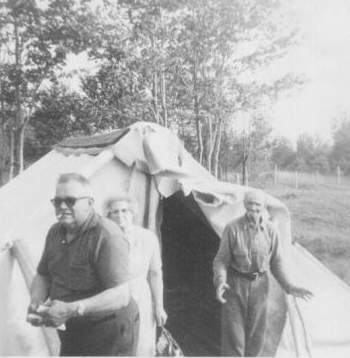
column 196, row 111
column 17, row 148
column 164, row 102
column 217, row 148
column 245, row 161
column 3, row 151
column 162, row 74
column 210, row 144
column 12, row 154
column 155, row 96
column 155, row 87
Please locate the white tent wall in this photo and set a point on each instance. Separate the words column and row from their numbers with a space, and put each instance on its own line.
column 149, row 163
column 31, row 220
column 327, row 316
column 6, row 270
column 26, row 214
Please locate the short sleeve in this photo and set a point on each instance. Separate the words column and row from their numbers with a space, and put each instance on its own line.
column 112, row 264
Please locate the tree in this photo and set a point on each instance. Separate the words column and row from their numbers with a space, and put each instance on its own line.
column 311, row 154
column 340, row 153
column 61, row 114
column 255, row 157
column 37, row 40
column 282, row 153
column 187, row 62
column 210, row 59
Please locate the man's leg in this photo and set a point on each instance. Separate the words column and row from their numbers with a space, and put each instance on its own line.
column 257, row 315
column 233, row 316
column 68, row 344
column 128, row 324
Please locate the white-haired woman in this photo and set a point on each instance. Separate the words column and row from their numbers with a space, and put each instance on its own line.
column 146, row 271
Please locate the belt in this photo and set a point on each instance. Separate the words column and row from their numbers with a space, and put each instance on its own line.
column 251, row 276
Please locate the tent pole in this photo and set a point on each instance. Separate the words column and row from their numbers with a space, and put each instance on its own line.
column 305, row 334
column 294, row 333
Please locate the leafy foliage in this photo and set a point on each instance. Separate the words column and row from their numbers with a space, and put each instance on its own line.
column 340, row 154
column 189, row 64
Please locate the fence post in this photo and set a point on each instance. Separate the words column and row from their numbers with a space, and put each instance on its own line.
column 296, row 180
column 275, row 173
column 338, row 175
column 237, row 178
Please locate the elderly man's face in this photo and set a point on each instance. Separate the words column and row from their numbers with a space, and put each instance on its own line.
column 72, row 203
column 254, row 205
column 120, row 213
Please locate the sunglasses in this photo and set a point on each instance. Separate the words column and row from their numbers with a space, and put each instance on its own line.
column 120, row 211
column 70, row 201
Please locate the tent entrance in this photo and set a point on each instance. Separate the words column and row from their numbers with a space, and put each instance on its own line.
column 189, row 245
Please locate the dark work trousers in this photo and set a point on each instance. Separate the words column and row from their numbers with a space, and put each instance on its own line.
column 243, row 317
column 114, row 335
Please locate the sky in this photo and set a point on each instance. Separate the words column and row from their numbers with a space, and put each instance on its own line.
column 323, row 56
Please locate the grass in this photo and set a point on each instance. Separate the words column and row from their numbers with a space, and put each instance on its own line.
column 320, row 221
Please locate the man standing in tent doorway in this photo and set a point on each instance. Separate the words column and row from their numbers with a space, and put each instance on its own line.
column 81, row 282
column 249, row 248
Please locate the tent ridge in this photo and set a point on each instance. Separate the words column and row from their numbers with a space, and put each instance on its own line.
column 93, row 141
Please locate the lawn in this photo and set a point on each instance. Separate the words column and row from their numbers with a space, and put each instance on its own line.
column 320, row 222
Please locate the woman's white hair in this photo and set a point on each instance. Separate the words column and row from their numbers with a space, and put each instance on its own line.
column 120, row 198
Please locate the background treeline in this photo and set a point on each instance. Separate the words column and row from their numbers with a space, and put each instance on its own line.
column 193, row 65
column 267, row 152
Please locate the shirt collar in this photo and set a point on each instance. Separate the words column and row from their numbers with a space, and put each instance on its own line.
column 249, row 224
column 90, row 222
column 129, row 236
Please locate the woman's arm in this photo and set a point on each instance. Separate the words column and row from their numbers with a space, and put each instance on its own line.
column 155, row 279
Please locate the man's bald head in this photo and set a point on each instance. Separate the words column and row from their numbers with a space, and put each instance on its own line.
column 255, row 196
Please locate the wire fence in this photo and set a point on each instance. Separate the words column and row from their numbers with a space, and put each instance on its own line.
column 295, row 179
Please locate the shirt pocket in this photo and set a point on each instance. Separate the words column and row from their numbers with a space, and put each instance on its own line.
column 263, row 254
column 240, row 259
column 81, row 278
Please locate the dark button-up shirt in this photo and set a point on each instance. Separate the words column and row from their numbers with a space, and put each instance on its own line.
column 247, row 248
column 94, row 260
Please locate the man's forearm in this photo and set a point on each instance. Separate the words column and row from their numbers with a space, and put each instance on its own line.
column 219, row 273
column 39, row 290
column 107, row 301
column 104, row 303
column 280, row 273
column 156, row 285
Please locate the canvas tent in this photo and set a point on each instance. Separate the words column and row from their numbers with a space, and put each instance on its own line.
column 188, row 209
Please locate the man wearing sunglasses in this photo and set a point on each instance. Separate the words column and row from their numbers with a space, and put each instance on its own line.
column 81, row 286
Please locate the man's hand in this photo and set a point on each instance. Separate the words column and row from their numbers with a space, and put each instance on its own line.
column 161, row 316
column 33, row 317
column 57, row 313
column 301, row 292
column 220, row 291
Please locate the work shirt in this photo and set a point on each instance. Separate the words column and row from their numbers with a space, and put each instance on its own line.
column 247, row 248
column 94, row 260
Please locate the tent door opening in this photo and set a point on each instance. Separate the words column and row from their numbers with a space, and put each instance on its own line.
column 189, row 245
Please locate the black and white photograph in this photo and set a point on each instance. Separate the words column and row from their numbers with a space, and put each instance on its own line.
column 175, row 178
